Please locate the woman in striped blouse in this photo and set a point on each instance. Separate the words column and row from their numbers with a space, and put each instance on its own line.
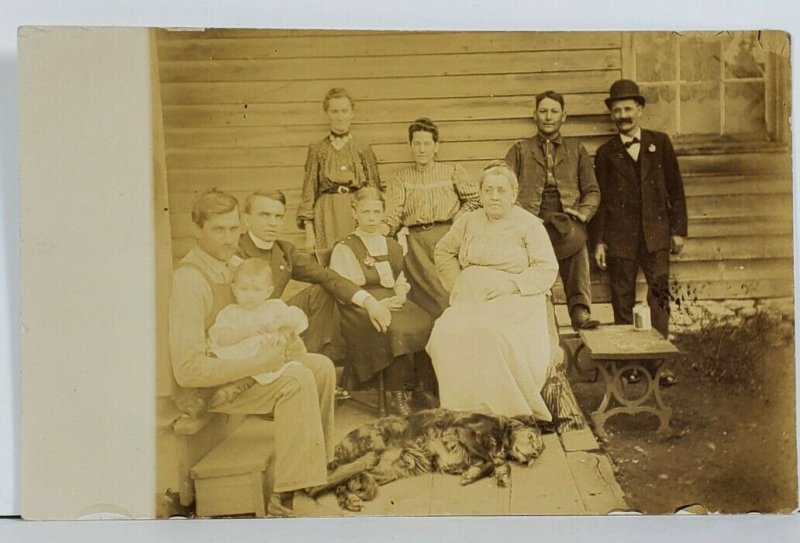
column 425, row 198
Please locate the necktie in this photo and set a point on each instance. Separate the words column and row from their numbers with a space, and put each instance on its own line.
column 549, row 152
column 339, row 140
column 634, row 141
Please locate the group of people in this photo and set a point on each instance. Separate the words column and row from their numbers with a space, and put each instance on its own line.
column 431, row 263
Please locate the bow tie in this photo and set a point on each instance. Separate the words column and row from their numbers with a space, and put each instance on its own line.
column 335, row 136
column 629, row 144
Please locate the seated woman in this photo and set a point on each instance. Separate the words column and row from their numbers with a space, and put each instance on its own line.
column 491, row 348
column 374, row 262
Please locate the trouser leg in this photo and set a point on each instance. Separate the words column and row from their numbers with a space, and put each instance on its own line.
column 399, row 375
column 574, row 271
column 323, row 334
column 622, row 276
column 300, row 455
column 656, row 271
column 325, row 378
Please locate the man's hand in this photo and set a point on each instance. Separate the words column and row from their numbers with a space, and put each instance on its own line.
column 311, row 238
column 577, row 214
column 379, row 315
column 600, row 255
column 503, row 289
column 294, row 347
column 677, row 244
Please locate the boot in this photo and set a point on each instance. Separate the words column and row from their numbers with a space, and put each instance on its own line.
column 398, row 404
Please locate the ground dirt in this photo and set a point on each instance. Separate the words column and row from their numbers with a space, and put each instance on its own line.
column 732, row 446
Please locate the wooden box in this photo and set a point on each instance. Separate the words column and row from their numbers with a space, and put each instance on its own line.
column 236, row 477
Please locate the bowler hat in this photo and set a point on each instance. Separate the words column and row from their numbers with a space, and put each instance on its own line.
column 567, row 235
column 624, row 89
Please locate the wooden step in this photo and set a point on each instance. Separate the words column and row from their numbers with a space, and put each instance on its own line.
column 236, row 476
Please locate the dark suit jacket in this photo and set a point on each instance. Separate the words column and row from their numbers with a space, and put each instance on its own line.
column 652, row 202
column 287, row 263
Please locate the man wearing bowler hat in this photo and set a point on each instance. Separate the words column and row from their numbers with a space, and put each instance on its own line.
column 642, row 216
column 557, row 183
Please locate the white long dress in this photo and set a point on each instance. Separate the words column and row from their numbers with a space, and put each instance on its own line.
column 493, row 355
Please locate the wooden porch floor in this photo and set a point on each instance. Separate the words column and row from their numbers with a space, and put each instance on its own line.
column 560, row 482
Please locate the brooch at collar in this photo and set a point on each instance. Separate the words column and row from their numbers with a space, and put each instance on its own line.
column 652, row 148
column 369, row 262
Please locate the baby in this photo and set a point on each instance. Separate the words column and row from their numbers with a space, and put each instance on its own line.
column 242, row 328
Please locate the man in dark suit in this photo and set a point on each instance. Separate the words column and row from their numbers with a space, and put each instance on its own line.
column 642, row 214
column 263, row 219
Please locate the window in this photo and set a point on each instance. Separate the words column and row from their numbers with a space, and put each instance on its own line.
column 717, row 85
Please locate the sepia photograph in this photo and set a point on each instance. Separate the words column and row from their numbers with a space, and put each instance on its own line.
column 438, row 273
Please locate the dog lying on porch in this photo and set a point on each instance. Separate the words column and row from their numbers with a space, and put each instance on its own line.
column 472, row 445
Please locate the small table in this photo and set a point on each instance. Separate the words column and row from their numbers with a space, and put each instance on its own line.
column 615, row 350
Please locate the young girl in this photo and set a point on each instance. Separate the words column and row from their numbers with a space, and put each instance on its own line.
column 336, row 166
column 241, row 328
column 375, row 262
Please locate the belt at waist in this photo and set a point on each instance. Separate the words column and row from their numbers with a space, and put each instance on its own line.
column 341, row 189
column 429, row 225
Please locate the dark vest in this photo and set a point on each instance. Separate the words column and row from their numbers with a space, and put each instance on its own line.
column 367, row 262
column 186, row 399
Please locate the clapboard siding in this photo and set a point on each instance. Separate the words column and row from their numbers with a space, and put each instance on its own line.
column 234, row 92
column 279, row 136
column 500, row 108
column 241, row 106
column 183, row 46
column 389, row 67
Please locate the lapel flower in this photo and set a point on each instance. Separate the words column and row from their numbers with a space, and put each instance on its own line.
column 369, row 262
column 652, row 148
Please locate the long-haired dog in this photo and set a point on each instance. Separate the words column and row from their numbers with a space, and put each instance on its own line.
column 472, row 445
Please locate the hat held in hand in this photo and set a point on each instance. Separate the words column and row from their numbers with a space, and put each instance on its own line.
column 567, row 235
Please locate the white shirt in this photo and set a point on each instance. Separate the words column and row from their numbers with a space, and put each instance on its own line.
column 345, row 263
column 634, row 149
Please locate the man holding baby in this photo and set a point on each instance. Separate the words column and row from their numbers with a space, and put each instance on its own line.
column 300, row 397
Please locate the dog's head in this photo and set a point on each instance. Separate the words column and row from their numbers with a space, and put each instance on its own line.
column 524, row 441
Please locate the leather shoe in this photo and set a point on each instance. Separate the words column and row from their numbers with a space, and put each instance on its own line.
column 398, row 403
column 582, row 319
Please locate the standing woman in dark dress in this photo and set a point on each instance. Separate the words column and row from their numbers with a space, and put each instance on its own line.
column 425, row 198
column 375, row 263
column 336, row 166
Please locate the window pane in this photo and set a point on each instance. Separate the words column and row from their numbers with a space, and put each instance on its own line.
column 744, row 108
column 660, row 112
column 655, row 57
column 699, row 58
column 700, row 108
column 744, row 56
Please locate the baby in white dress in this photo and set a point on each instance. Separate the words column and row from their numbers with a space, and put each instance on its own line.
column 242, row 328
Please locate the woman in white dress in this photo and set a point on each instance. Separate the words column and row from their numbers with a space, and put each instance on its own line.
column 491, row 348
